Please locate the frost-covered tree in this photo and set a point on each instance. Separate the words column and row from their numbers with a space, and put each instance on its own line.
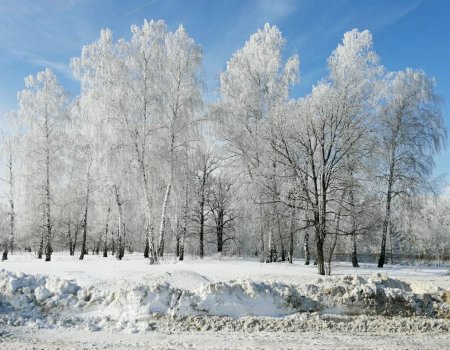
column 255, row 81
column 411, row 131
column 43, row 108
column 179, row 91
column 315, row 136
column 219, row 202
column 9, row 144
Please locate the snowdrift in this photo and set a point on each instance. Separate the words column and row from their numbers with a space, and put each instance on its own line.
column 47, row 301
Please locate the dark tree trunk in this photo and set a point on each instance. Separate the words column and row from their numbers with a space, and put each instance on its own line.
column 282, row 249
column 219, row 230
column 147, row 248
column 319, row 237
column 291, row 238
column 11, row 206
column 48, row 238
column 119, row 254
column 185, row 223
column 86, row 208
column 5, row 254
column 306, row 247
column 201, row 235
column 121, row 228
column 262, row 247
column 320, row 257
column 75, row 239
column 105, row 240
column 386, row 221
column 181, row 256
column 105, row 249
column 330, row 256
column 354, row 252
column 71, row 247
column 387, row 217
column 41, row 246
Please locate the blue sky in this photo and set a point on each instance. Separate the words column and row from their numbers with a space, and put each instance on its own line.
column 35, row 34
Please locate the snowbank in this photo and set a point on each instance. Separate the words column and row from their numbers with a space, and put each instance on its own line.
column 48, row 301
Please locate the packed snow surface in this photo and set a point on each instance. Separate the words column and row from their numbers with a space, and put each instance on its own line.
column 219, row 295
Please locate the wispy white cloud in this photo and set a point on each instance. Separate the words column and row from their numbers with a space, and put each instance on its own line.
column 42, row 62
column 275, row 10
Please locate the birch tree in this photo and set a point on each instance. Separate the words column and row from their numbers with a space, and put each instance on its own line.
column 43, row 107
column 411, row 131
column 255, row 81
column 179, row 88
column 8, row 147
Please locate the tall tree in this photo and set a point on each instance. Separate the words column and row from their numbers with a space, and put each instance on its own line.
column 255, row 81
column 315, row 135
column 43, row 106
column 9, row 150
column 180, row 98
column 411, row 131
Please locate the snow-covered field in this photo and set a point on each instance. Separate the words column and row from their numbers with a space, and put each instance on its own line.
column 218, row 303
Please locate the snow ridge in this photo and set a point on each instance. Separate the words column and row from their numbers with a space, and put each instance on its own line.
column 46, row 301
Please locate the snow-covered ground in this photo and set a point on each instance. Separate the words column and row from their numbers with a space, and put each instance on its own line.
column 218, row 303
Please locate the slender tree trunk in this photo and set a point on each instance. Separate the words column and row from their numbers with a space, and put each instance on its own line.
column 48, row 245
column 387, row 217
column 147, row 246
column 283, row 251
column 178, row 246
column 261, row 236
column 354, row 251
column 306, row 247
column 40, row 251
column 319, row 237
column 11, row 205
column 330, row 256
column 75, row 239
column 185, row 223
column 71, row 246
column 86, row 209
column 202, row 213
column 320, row 256
column 391, row 250
column 219, row 230
column 306, row 251
column 291, row 238
column 152, row 254
column 9, row 244
column 105, row 240
column 334, row 242
column 162, row 229
column 202, row 232
column 163, row 218
column 182, row 243
column 120, row 239
column 124, row 240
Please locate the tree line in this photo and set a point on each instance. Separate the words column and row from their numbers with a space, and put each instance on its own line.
column 139, row 161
